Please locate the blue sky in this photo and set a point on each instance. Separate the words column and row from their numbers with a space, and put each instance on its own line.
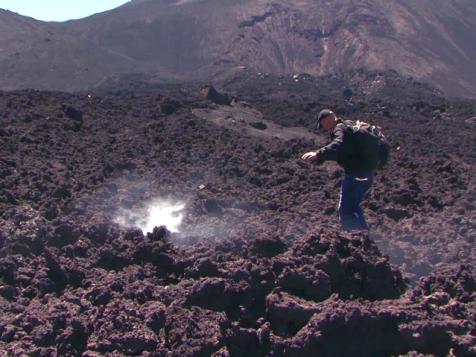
column 59, row 10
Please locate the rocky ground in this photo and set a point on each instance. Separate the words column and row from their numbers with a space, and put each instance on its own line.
column 259, row 267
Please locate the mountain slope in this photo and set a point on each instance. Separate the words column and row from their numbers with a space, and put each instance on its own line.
column 197, row 39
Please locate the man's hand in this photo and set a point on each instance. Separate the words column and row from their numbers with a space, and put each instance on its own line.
column 310, row 156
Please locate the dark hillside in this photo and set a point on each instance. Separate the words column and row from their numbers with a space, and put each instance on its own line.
column 431, row 40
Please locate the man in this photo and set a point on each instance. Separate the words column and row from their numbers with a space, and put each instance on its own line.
column 358, row 168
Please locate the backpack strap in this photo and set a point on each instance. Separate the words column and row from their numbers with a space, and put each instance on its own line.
column 377, row 130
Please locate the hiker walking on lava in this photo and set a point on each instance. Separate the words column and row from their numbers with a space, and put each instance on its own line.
column 360, row 148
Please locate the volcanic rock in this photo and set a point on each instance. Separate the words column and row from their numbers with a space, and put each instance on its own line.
column 254, row 270
column 216, row 97
column 396, row 213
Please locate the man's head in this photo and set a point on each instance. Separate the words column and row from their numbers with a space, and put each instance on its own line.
column 326, row 120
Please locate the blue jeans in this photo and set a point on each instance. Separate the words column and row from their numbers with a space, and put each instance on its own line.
column 354, row 187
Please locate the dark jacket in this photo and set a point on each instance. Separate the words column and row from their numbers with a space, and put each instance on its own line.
column 344, row 150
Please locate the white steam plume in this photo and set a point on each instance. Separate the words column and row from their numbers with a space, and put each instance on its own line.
column 159, row 212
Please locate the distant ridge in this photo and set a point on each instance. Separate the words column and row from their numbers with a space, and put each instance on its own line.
column 185, row 40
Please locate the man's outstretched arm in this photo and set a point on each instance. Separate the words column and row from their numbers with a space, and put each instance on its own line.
column 330, row 151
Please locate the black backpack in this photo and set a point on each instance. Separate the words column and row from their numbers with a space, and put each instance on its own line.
column 370, row 142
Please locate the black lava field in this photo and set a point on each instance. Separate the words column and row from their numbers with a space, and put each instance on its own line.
column 258, row 266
